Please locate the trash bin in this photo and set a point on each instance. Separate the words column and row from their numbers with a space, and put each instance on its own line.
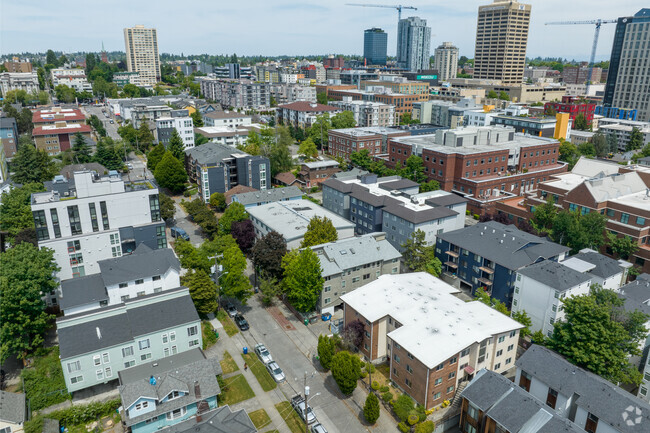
column 306, row 322
column 245, row 350
column 216, row 334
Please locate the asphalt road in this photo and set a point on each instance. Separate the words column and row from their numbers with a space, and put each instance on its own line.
column 111, row 128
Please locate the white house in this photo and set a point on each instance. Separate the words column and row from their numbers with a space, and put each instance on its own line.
column 607, row 272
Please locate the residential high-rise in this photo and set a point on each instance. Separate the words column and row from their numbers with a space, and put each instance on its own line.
column 501, row 39
column 375, row 44
column 628, row 76
column 142, row 54
column 446, row 61
column 413, row 44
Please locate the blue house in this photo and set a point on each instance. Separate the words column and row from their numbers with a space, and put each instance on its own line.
column 168, row 391
column 489, row 254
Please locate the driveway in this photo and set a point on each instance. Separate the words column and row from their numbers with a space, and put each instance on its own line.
column 183, row 221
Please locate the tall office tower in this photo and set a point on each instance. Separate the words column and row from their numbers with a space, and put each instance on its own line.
column 375, row 44
column 628, row 79
column 446, row 61
column 413, row 44
column 501, row 38
column 142, row 54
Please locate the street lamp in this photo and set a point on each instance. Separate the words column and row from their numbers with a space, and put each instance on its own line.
column 307, row 403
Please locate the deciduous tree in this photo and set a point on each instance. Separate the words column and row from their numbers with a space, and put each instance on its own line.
column 414, row 169
column 346, row 370
column 353, row 333
column 622, row 246
column 636, row 140
column 319, row 231
column 308, row 148
column 544, row 215
column 233, row 281
column 343, row 120
column 244, row 234
column 270, row 289
column 202, row 290
column 581, row 123
column 167, row 207
column 432, row 185
column 218, row 201
column 600, row 144
column 234, row 213
column 170, row 173
column 523, row 318
column 302, row 282
column 268, row 253
column 155, row 156
column 15, row 209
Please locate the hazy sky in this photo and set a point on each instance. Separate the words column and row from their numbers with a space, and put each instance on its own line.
column 274, row 27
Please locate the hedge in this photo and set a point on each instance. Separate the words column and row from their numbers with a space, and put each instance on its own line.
column 74, row 415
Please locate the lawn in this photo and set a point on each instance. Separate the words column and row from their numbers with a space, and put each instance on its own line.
column 43, row 381
column 237, row 389
column 228, row 364
column 261, row 373
column 260, row 418
column 290, row 416
column 228, row 324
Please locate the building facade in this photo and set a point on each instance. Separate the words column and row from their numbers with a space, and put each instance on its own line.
column 288, row 93
column 179, row 120
column 59, row 137
column 240, row 93
column 446, row 61
column 342, row 142
column 9, row 136
column 73, row 78
column 27, row 81
column 375, row 44
column 369, row 114
column 413, row 44
column 302, row 114
column 226, row 118
column 142, row 54
column 575, row 107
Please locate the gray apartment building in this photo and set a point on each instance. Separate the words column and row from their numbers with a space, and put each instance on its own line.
column 351, row 263
column 216, row 167
column 237, row 93
column 375, row 44
column 413, row 44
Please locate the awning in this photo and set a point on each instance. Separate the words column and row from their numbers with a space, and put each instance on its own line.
column 469, row 369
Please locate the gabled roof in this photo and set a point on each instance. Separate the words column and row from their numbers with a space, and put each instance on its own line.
column 605, row 267
column 218, row 420
column 12, row 407
column 636, row 294
column 555, row 275
column 143, row 262
column 213, row 153
column 81, row 291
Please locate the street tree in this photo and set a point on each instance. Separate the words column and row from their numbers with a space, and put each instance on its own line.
column 308, row 149
column 270, row 290
column 319, row 128
column 419, row 257
column 233, row 280
column 26, row 275
column 155, row 155
column 268, row 253
column 170, row 173
column 167, row 208
column 346, row 371
column 319, row 231
column 302, row 281
column 234, row 213
column 80, row 149
column 64, row 93
column 326, row 348
column 106, row 154
column 218, row 201
column 599, row 335
column 202, row 290
column 244, row 234
column 191, row 257
column 176, row 146
column 32, row 165
column 371, row 408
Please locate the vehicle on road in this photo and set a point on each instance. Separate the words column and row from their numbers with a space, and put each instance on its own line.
column 230, row 308
column 318, row 428
column 275, row 371
column 112, row 121
column 263, row 353
column 129, row 165
column 298, row 403
column 241, row 322
column 178, row 232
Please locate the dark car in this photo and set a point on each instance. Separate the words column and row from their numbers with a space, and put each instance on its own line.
column 241, row 322
column 178, row 232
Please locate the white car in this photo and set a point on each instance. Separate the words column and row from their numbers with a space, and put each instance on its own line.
column 318, row 428
column 275, row 371
column 263, row 353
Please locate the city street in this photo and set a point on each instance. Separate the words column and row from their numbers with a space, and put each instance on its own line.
column 111, row 128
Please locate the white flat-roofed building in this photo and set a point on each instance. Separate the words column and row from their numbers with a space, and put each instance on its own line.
column 27, row 81
column 290, row 219
column 367, row 113
column 179, row 120
column 226, row 118
column 430, row 337
column 73, row 78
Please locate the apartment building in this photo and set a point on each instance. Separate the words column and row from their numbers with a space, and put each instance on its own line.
column 226, row 118
column 9, row 136
column 342, row 142
column 95, row 346
column 369, row 114
column 237, row 93
column 443, row 113
column 636, row 296
column 288, row 93
column 501, row 40
column 402, row 103
column 158, row 395
column 142, row 54
column 18, row 66
column 348, row 264
column 59, row 137
column 217, row 167
column 413, row 44
column 575, row 107
column 622, row 130
column 179, row 120
column 123, row 78
column 143, row 272
column 52, row 115
column 446, row 61
column 398, row 85
column 73, row 78
column 232, row 136
column 431, row 339
column 291, row 218
column 258, row 198
column 489, row 255
column 90, row 218
column 580, row 74
column 27, row 81
column 484, row 164
column 315, row 173
column 302, row 114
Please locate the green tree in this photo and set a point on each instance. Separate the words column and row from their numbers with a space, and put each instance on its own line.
column 343, row 120
column 544, row 215
column 308, row 149
column 492, row 95
column 26, row 274
column 233, row 280
column 235, row 212
column 80, row 149
column 270, row 290
column 612, row 142
column 170, row 173
column 568, row 153
column 587, row 149
column 32, row 165
column 319, row 231
column 403, row 407
column 622, row 246
column 43, row 98
column 407, row 119
column 64, row 93
column 191, row 257
column 523, row 318
column 425, row 427
column 145, row 136
column 321, row 98
column 155, row 155
column 130, row 91
column 197, row 119
column 419, row 257
column 538, row 337
column 106, row 154
column 581, row 123
column 600, row 144
column 599, row 335
column 176, row 146
column 432, row 185
column 302, row 282
column 167, row 208
column 50, row 58
column 326, row 350
column 319, row 128
column 15, row 209
column 636, row 140
column 218, row 201
column 482, row 296
column 579, row 231
column 371, row 408
column 346, row 371
column 414, row 169
column 361, row 159
column 268, row 253
column 202, row 290
column 24, row 122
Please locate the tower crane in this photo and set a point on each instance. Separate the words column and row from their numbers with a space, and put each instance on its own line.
column 398, row 7
column 598, row 23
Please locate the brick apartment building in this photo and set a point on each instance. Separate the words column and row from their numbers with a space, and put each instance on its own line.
column 574, row 106
column 342, row 142
column 431, row 339
column 50, row 116
column 58, row 137
column 314, row 173
column 483, row 164
column 403, row 103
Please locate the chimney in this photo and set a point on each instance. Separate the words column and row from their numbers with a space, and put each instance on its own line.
column 197, row 389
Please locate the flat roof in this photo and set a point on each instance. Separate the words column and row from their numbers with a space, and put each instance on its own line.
column 435, row 324
column 69, row 128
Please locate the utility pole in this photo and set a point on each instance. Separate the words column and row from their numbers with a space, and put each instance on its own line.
column 306, row 395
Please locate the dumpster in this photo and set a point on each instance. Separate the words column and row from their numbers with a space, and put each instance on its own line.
column 326, row 317
column 245, row 350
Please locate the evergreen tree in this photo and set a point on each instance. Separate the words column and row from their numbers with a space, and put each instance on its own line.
column 600, row 144
column 636, row 139
column 145, row 136
column 106, row 155
column 170, row 173
column 197, row 119
column 581, row 123
column 80, row 149
column 419, row 257
column 32, row 165
column 371, row 408
column 326, row 348
column 612, row 142
column 346, row 371
column 155, row 156
column 176, row 146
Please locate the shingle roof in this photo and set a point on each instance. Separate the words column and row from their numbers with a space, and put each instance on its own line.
column 144, row 262
column 605, row 266
column 636, row 294
column 308, row 106
column 287, row 178
column 12, row 407
column 445, row 200
column 124, row 325
column 555, row 275
column 82, row 291
column 219, row 420
column 239, row 189
column 419, row 216
column 225, row 115
column 504, row 244
column 269, row 195
column 595, row 394
column 213, row 153
column 398, row 184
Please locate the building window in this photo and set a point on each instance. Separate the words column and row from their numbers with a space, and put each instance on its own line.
column 144, row 344
column 154, row 206
column 93, row 217
column 145, row 356
column 194, row 343
column 75, row 222
column 100, row 374
column 55, row 223
column 437, row 395
column 127, row 351
column 128, row 364
column 140, row 281
column 396, row 358
column 450, row 389
column 76, row 379
column 408, row 383
column 409, row 369
column 497, row 366
column 192, row 330
column 176, row 413
column 451, row 375
column 625, row 218
column 102, row 208
column 502, row 339
column 465, row 352
column 40, row 222
column 440, row 367
column 499, row 352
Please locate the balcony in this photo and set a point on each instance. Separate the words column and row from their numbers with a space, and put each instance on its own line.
column 485, row 281
column 452, row 253
column 452, row 264
column 487, row 270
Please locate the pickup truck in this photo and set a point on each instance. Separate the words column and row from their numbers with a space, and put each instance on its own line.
column 298, row 403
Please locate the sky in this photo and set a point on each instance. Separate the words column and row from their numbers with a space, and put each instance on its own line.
column 281, row 27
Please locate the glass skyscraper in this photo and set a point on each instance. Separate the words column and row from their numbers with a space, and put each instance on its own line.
column 375, row 43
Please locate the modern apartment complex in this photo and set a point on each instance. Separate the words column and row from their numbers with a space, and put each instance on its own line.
column 142, row 54
column 302, row 114
column 226, row 118
column 179, row 120
column 91, row 218
column 237, row 93
column 348, row 264
column 446, row 61
column 413, row 44
column 95, row 346
column 369, row 114
column 431, row 339
column 375, row 44
column 501, row 39
column 288, row 93
column 342, row 142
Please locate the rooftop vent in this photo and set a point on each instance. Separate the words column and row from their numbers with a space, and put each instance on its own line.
column 152, row 381
column 99, row 332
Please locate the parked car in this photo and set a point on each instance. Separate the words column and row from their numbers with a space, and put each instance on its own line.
column 298, row 403
column 263, row 353
column 318, row 428
column 275, row 371
column 178, row 232
column 231, row 310
column 241, row 322
column 128, row 164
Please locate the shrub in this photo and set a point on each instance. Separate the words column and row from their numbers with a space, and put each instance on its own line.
column 425, row 427
column 364, row 375
column 403, row 427
column 476, row 216
column 371, row 408
column 75, row 415
column 445, row 403
column 370, row 368
column 467, row 212
column 375, row 385
column 421, row 413
column 325, row 351
column 346, row 369
column 384, row 389
column 403, row 407
column 209, row 337
column 413, row 419
column 44, row 379
column 387, row 396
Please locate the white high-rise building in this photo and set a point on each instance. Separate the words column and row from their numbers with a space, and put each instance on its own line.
column 142, row 54
column 413, row 44
column 446, row 61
